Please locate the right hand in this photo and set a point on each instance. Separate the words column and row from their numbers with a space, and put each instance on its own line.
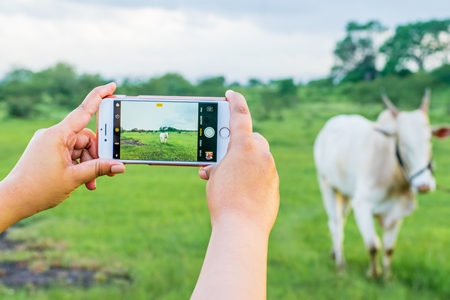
column 244, row 186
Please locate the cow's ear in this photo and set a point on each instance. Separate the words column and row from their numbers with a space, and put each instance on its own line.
column 386, row 123
column 441, row 132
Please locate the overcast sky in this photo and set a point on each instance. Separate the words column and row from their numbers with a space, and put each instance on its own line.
column 238, row 39
column 150, row 116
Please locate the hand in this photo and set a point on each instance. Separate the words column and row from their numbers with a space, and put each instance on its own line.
column 245, row 183
column 56, row 161
column 243, row 200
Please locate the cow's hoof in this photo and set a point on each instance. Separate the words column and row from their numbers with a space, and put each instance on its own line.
column 373, row 273
column 387, row 275
column 341, row 270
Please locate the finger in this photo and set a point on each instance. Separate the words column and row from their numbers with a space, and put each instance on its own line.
column 89, row 170
column 86, row 140
column 205, row 172
column 240, row 118
column 261, row 140
column 80, row 117
column 84, row 157
column 91, row 185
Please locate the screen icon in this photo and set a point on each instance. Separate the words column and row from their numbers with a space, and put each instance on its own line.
column 209, row 155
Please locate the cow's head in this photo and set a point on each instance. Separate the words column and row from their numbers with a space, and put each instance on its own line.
column 413, row 134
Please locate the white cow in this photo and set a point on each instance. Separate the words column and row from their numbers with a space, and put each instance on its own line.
column 376, row 168
column 163, row 136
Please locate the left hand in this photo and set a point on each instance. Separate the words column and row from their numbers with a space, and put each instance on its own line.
column 59, row 159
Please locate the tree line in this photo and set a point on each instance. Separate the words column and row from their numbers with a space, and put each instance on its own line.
column 161, row 129
column 26, row 94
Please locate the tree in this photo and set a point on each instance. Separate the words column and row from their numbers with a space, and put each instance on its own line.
column 356, row 54
column 214, row 86
column 15, row 83
column 20, row 98
column 171, row 84
column 60, row 82
column 254, row 82
column 279, row 95
column 416, row 44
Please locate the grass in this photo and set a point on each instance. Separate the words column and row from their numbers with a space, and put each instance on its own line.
column 153, row 223
column 178, row 147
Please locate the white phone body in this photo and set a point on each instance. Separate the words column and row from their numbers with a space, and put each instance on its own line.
column 163, row 130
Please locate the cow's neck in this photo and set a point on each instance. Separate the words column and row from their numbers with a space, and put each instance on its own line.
column 398, row 175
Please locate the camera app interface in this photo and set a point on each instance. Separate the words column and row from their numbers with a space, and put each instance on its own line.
column 165, row 131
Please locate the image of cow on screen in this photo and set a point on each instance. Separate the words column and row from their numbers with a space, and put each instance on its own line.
column 162, row 131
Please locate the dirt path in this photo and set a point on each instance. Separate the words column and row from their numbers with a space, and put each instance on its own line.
column 17, row 274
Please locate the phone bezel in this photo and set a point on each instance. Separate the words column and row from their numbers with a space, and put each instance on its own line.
column 105, row 121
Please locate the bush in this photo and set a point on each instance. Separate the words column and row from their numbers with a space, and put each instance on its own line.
column 442, row 74
column 21, row 106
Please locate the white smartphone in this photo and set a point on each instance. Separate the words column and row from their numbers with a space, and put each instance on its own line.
column 163, row 130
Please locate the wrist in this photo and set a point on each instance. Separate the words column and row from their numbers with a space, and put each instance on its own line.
column 242, row 222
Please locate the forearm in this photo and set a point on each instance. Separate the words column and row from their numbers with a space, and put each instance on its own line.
column 235, row 264
column 12, row 207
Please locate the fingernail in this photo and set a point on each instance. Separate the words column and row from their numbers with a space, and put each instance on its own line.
column 117, row 169
column 228, row 92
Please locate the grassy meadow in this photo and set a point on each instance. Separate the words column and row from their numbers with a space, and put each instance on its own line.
column 153, row 224
column 147, row 146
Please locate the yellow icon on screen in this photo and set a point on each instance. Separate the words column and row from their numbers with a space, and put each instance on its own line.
column 159, row 105
column 116, row 129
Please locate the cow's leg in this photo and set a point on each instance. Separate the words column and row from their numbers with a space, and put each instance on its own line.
column 389, row 238
column 333, row 203
column 364, row 220
column 342, row 207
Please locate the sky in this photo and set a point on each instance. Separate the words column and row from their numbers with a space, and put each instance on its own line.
column 149, row 116
column 237, row 39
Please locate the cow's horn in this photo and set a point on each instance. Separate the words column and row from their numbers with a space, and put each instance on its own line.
column 426, row 100
column 389, row 104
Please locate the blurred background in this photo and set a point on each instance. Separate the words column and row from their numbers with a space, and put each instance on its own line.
column 298, row 63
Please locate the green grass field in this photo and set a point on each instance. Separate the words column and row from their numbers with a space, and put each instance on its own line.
column 178, row 147
column 153, row 223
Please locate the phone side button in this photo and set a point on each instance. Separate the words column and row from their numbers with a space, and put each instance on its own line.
column 224, row 132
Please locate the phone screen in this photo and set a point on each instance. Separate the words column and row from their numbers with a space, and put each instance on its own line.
column 165, row 131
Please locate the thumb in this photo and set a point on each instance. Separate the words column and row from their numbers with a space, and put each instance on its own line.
column 89, row 170
column 205, row 172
